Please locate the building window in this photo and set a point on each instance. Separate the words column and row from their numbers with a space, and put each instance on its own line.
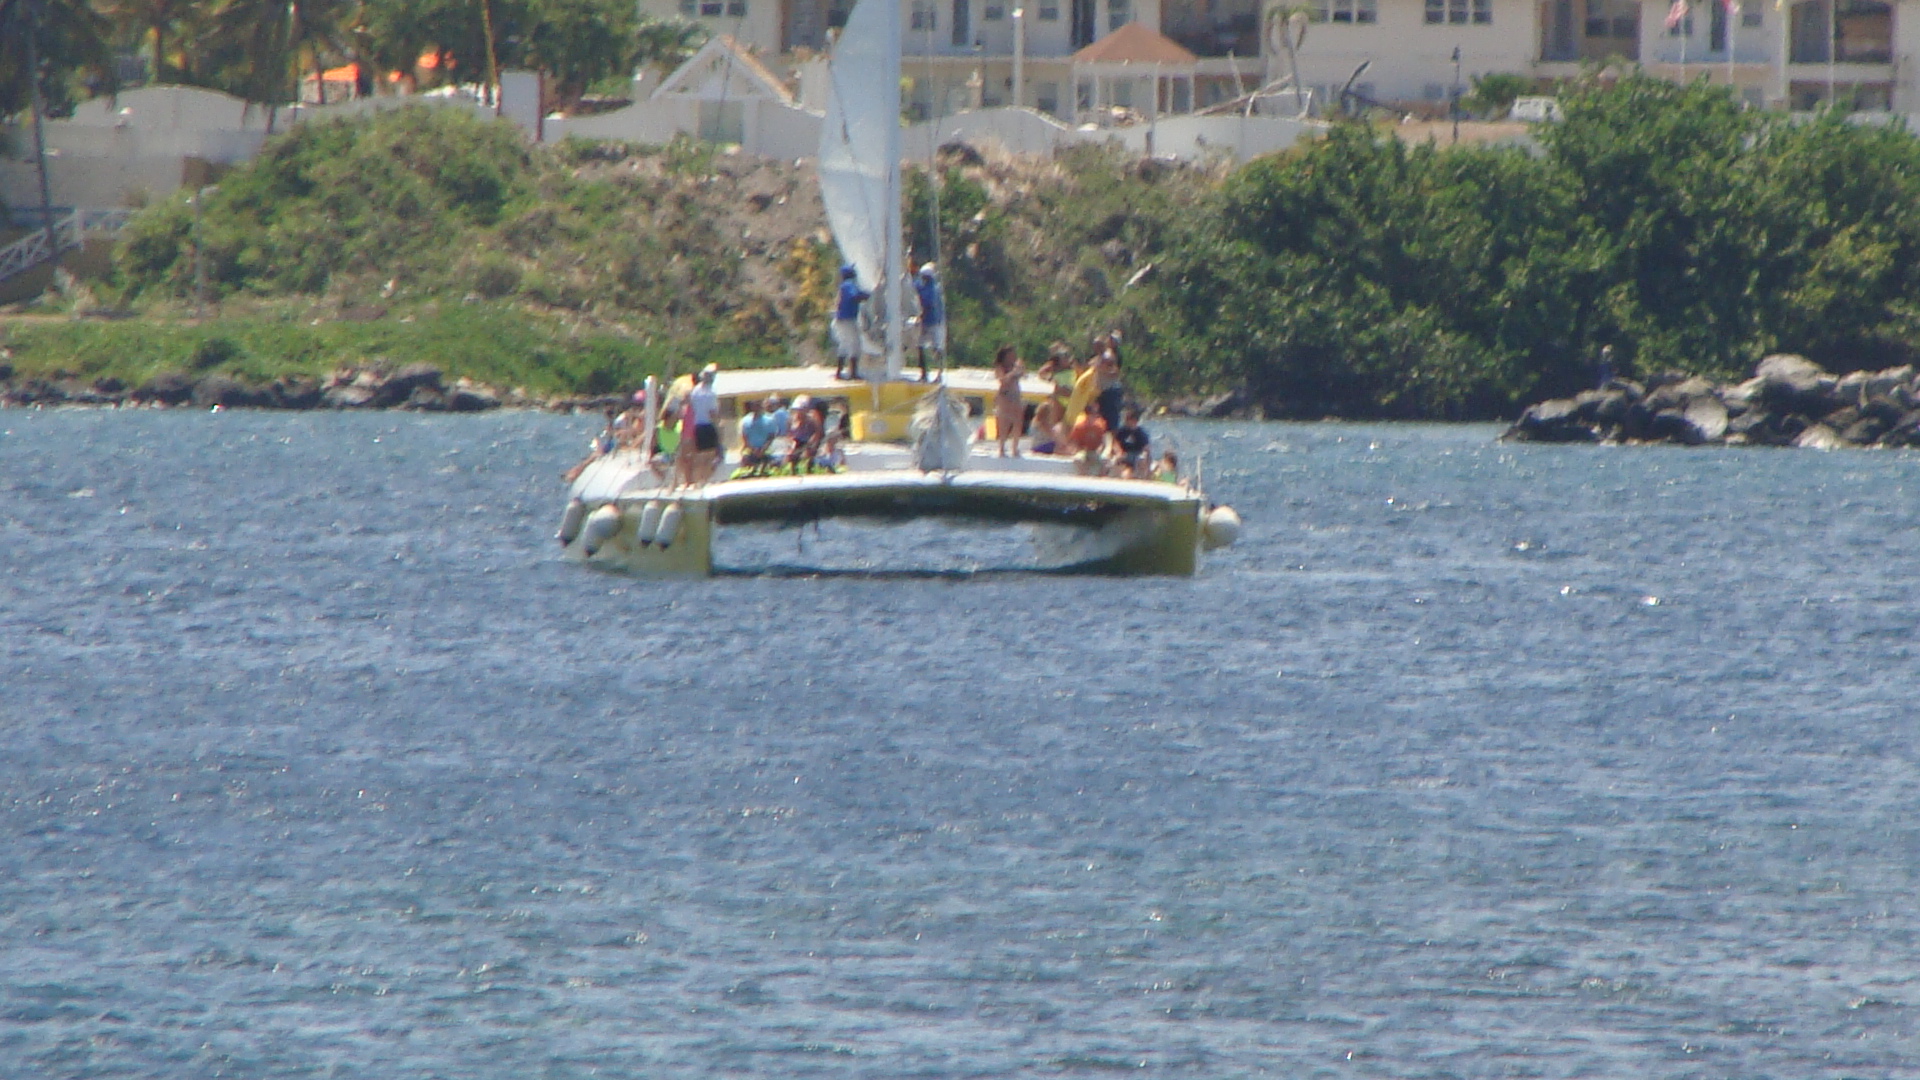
column 1050, row 13
column 711, row 8
column 1346, row 11
column 689, row 8
column 1119, row 13
column 1750, row 12
column 737, row 9
column 924, row 16
column 993, row 13
column 1047, row 97
column 1459, row 12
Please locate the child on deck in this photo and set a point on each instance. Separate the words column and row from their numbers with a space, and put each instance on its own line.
column 1130, row 444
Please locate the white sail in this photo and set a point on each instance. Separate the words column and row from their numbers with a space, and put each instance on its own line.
column 860, row 154
column 941, row 432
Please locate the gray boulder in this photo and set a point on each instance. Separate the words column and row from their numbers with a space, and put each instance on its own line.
column 1605, row 407
column 348, row 396
column 1795, row 384
column 399, row 387
column 296, row 392
column 1819, row 437
column 1551, row 421
column 1904, row 432
column 166, row 388
column 1678, row 395
column 1706, row 419
column 229, row 393
column 470, row 399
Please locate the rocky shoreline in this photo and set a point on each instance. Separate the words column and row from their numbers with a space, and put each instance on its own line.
column 1790, row 401
column 416, row 388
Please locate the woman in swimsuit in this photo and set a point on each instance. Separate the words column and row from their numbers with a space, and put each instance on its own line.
column 1046, row 423
column 1106, row 367
column 1009, row 412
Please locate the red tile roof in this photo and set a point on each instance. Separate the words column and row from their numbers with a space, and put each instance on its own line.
column 1135, row 43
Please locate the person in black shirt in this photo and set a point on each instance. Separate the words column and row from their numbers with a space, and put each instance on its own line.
column 1130, row 443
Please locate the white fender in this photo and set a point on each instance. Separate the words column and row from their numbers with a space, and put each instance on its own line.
column 570, row 522
column 649, row 521
column 600, row 527
column 669, row 530
column 1220, row 528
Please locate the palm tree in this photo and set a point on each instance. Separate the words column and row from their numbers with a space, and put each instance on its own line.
column 42, row 42
column 154, row 19
column 270, row 37
column 70, row 39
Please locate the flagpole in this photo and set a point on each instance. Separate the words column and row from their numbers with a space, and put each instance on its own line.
column 1686, row 31
column 1728, row 6
column 1831, row 34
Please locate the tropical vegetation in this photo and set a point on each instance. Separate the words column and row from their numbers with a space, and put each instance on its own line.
column 260, row 50
column 1356, row 275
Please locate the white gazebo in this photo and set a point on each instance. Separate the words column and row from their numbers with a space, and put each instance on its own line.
column 1135, row 68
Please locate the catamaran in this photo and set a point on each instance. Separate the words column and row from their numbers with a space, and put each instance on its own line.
column 914, row 448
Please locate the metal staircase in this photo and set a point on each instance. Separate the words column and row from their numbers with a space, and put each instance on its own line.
column 68, row 233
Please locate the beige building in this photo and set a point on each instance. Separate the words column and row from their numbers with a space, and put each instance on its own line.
column 1858, row 52
column 1055, row 56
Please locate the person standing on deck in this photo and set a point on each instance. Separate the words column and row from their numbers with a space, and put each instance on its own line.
column 702, row 410
column 1111, row 392
column 846, row 324
column 933, row 318
column 1009, row 413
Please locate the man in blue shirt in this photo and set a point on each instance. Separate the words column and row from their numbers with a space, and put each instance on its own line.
column 846, row 325
column 758, row 429
column 933, row 318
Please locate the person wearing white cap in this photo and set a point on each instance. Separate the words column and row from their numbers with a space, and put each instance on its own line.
column 933, row 318
column 702, row 410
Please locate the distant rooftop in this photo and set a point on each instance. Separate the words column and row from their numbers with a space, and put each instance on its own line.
column 1135, row 43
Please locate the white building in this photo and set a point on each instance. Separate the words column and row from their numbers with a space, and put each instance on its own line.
column 962, row 54
column 1859, row 53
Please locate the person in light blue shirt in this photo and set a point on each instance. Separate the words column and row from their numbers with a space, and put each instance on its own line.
column 846, row 324
column 933, row 318
column 758, row 429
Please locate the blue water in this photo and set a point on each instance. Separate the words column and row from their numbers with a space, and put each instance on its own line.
column 1470, row 760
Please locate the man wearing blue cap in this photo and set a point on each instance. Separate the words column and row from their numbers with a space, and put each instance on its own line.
column 933, row 319
column 846, row 325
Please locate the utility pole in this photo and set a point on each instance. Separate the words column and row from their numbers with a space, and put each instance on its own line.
column 493, row 56
column 34, row 12
column 1454, row 105
column 1019, row 58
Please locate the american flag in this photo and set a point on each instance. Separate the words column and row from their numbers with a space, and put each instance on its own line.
column 1676, row 15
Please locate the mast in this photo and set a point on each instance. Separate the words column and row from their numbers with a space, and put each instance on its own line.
column 895, row 263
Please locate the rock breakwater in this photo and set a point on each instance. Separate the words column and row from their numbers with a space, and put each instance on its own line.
column 1789, row 401
column 415, row 387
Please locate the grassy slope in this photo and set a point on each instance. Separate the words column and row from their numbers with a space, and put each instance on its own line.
column 423, row 235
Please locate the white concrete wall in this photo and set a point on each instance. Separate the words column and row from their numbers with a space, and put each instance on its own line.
column 1018, row 131
column 1024, row 131
column 769, row 128
column 137, row 148
column 1195, row 137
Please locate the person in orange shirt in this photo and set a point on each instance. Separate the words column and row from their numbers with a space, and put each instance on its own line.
column 1088, row 439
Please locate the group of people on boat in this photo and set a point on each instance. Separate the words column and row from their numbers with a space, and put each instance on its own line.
column 808, row 436
column 815, row 433
column 1085, row 417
